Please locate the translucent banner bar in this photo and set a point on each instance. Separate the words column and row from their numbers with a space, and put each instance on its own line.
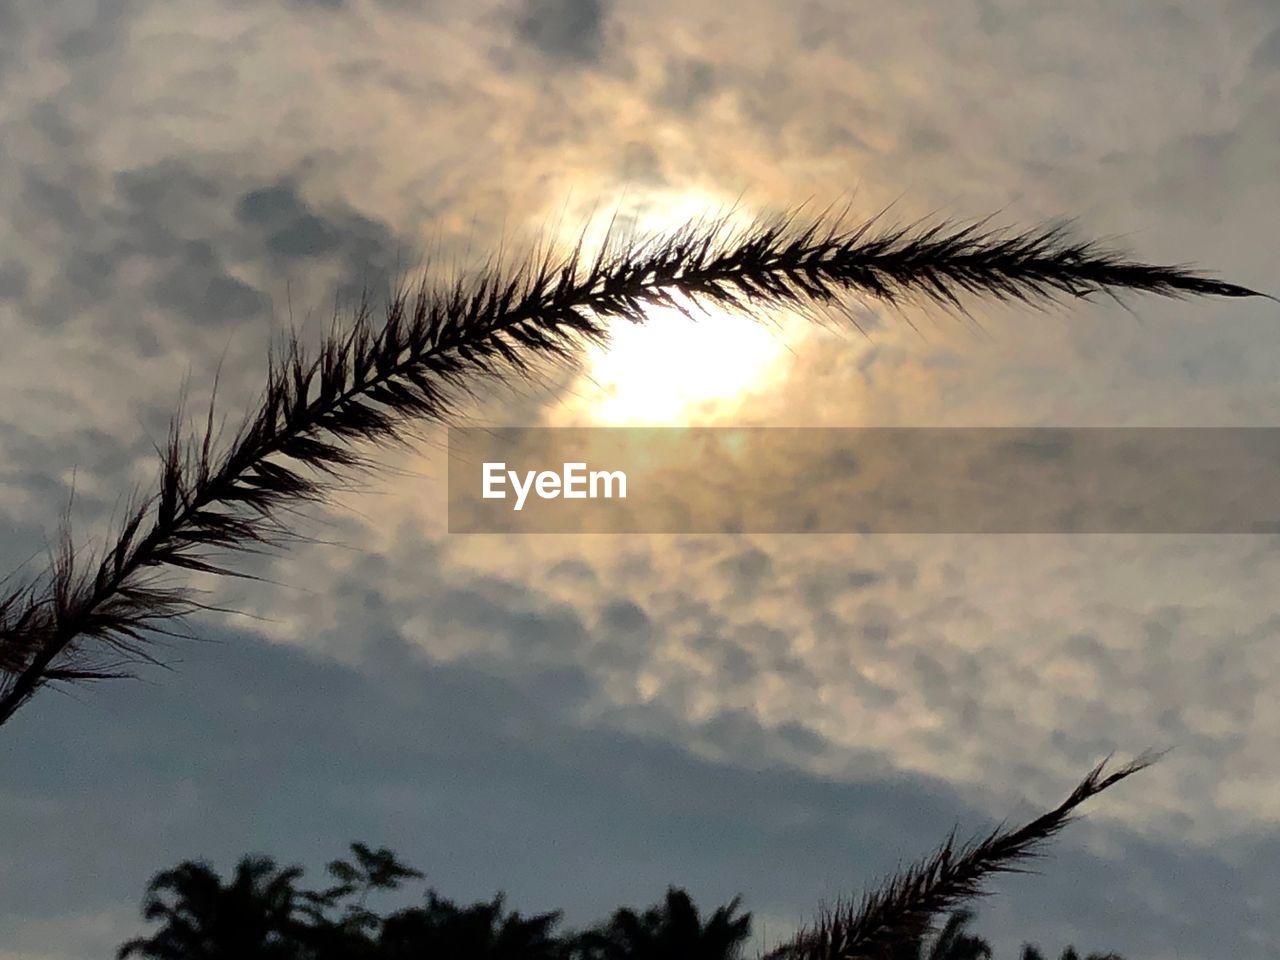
column 864, row 480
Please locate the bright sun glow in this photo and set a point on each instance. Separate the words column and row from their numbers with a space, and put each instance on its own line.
column 672, row 370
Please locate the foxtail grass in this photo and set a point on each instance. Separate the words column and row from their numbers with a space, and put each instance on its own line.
column 324, row 412
column 905, row 908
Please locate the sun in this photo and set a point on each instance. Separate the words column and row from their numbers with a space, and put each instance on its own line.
column 675, row 369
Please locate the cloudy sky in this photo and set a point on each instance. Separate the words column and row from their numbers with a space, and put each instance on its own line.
column 580, row 721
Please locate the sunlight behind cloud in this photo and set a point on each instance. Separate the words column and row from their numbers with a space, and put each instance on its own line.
column 675, row 369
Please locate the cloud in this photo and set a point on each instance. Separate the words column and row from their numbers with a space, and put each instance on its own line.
column 161, row 215
column 689, row 82
column 570, row 31
column 1266, row 56
column 746, row 568
column 294, row 230
column 13, row 280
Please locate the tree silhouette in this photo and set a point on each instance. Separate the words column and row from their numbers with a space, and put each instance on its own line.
column 1031, row 952
column 349, row 934
column 671, row 930
column 262, row 913
column 370, row 870
column 484, row 930
column 252, row 917
column 952, row 942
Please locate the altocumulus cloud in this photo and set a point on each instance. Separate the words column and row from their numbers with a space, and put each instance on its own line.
column 571, row 31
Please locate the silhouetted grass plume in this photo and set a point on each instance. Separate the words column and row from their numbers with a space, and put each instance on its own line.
column 904, row 909
column 87, row 617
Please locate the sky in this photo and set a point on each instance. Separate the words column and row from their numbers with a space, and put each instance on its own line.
column 580, row 721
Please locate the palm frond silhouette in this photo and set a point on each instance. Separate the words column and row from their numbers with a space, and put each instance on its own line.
column 88, row 617
column 673, row 928
column 952, row 942
column 250, row 916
